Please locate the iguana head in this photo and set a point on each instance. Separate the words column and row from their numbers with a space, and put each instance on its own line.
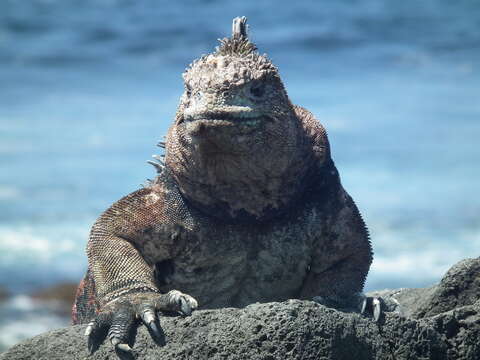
column 235, row 135
column 233, row 94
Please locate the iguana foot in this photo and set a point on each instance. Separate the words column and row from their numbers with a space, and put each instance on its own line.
column 372, row 305
column 367, row 305
column 377, row 306
column 118, row 318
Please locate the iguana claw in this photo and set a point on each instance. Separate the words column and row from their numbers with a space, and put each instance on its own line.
column 118, row 317
column 185, row 307
column 123, row 347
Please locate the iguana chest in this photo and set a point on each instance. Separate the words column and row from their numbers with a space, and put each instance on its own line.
column 234, row 265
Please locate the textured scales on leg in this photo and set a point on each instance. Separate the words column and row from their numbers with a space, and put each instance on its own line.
column 246, row 206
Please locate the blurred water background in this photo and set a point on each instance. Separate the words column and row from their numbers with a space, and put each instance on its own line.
column 88, row 87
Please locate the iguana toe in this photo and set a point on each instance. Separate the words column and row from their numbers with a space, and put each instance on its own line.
column 185, row 307
column 118, row 318
column 148, row 315
column 123, row 321
column 177, row 301
column 377, row 309
column 96, row 331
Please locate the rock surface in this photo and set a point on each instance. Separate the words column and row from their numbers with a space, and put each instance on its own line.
column 443, row 322
column 459, row 287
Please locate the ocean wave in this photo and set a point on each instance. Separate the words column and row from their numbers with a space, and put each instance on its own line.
column 22, row 317
column 34, row 256
column 53, row 33
column 27, row 242
column 416, row 257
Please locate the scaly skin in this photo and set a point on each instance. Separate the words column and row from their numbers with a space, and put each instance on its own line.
column 247, row 207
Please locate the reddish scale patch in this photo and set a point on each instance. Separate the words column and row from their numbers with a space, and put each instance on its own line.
column 86, row 304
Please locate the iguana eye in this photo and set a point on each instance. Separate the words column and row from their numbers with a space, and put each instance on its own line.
column 257, row 89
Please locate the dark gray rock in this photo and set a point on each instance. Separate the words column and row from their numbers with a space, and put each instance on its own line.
column 296, row 330
column 459, row 287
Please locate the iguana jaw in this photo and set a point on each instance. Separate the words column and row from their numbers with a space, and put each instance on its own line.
column 227, row 113
column 233, row 119
column 233, row 116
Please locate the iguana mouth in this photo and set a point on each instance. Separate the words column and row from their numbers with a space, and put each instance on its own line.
column 227, row 118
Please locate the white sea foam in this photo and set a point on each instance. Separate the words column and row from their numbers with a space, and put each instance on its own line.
column 399, row 263
column 26, row 242
column 22, row 317
column 430, row 264
column 35, row 255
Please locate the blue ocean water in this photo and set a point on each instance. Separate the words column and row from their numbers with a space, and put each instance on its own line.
column 88, row 87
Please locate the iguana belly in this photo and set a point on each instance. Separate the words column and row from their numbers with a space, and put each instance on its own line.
column 234, row 266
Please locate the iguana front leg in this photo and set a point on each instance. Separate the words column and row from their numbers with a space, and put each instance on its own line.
column 124, row 281
column 341, row 260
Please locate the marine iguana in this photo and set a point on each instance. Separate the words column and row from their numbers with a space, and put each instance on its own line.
column 247, row 206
